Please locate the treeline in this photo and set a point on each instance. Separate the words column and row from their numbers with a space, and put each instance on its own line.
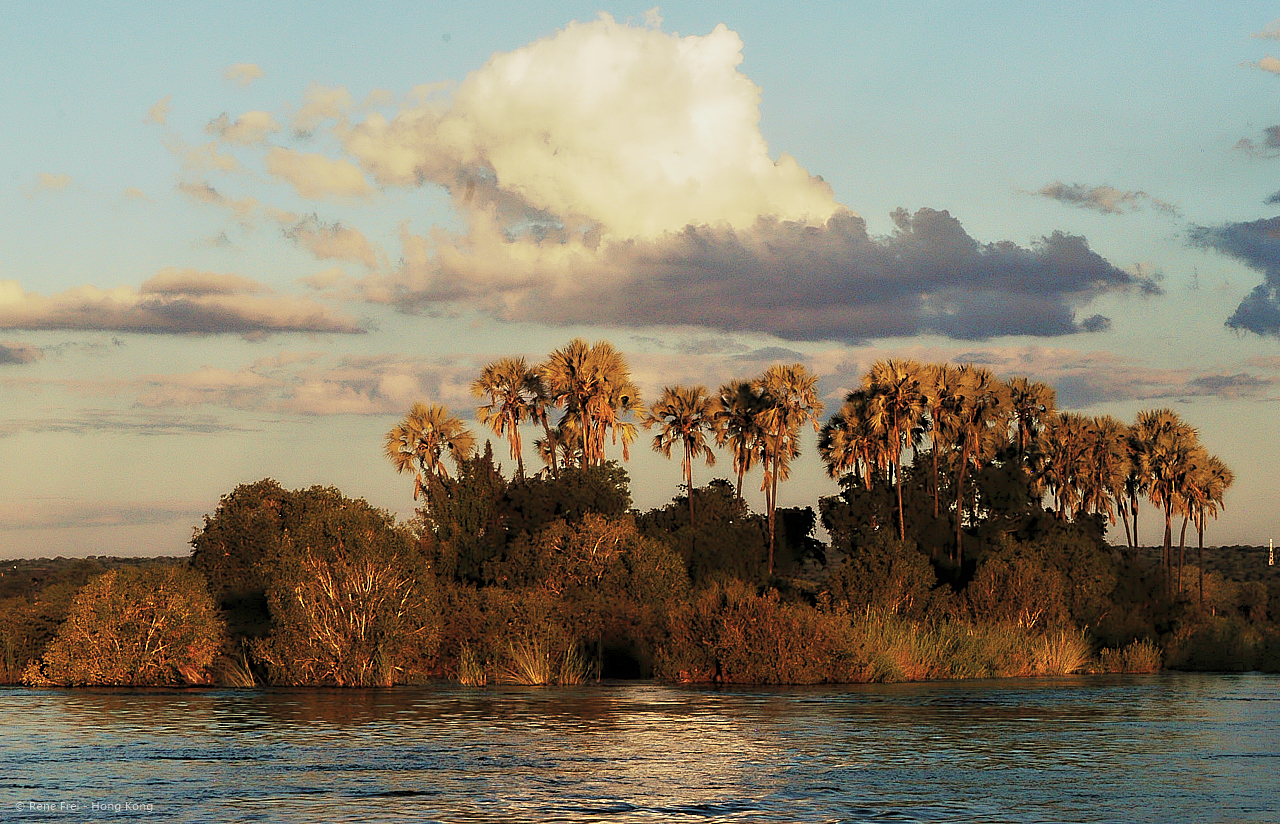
column 967, row 540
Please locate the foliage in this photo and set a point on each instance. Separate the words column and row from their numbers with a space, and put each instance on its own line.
column 1139, row 657
column 884, row 574
column 140, row 626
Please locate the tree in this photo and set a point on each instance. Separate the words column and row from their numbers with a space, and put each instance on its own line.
column 1032, row 404
column 896, row 405
column 942, row 404
column 593, row 384
column 153, row 625
column 516, row 395
column 738, row 406
column 1167, row 445
column 846, row 442
column 684, row 415
column 789, row 399
column 1208, row 486
column 981, row 424
column 425, row 435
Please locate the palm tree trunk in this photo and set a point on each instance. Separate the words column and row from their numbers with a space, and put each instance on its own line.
column 1124, row 515
column 964, row 464
column 1182, row 552
column 1168, row 543
column 1200, row 555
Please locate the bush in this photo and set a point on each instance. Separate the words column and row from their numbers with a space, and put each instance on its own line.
column 141, row 626
column 884, row 574
column 360, row 618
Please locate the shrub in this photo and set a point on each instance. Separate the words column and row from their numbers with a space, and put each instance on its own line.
column 355, row 620
column 1141, row 656
column 884, row 574
column 141, row 626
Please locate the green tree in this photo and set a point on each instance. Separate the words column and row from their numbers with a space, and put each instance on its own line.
column 593, row 384
column 982, row 411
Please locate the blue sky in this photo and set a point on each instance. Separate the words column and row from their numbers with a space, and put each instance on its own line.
column 242, row 238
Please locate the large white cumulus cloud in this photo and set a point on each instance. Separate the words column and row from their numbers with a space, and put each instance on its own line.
column 629, row 130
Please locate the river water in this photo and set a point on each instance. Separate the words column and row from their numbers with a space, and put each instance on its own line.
column 1168, row 748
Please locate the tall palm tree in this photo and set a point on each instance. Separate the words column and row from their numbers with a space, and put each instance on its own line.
column 737, row 407
column 1108, row 467
column 1033, row 404
column 942, row 403
column 419, row 442
column 982, row 423
column 896, row 406
column 1068, row 445
column 790, row 400
column 1208, row 487
column 685, row 415
column 515, row 394
column 1167, row 445
column 593, row 384
column 846, row 442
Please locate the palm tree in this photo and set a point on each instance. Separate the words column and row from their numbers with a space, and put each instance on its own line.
column 593, row 384
column 790, row 399
column 737, row 406
column 846, row 442
column 1167, row 445
column 982, row 416
column 896, row 405
column 1033, row 404
column 685, row 414
column 1108, row 467
column 515, row 394
column 1068, row 446
column 420, row 441
column 942, row 402
column 1208, row 487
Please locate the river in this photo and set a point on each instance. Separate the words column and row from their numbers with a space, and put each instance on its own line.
column 1168, row 748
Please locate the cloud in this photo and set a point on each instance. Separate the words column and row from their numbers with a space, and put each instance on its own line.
column 1105, row 199
column 322, row 103
column 305, row 384
column 242, row 74
column 1239, row 385
column 205, row 193
column 159, row 113
column 795, row 281
column 46, row 182
column 203, row 158
column 1270, row 32
column 175, row 302
column 1269, row 144
column 250, row 128
column 134, row 193
column 628, row 129
column 1257, row 245
column 331, row 241
column 315, row 176
column 11, row 353
column 1267, row 64
column 73, row 514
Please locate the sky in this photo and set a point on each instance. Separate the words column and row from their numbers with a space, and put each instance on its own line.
column 240, row 240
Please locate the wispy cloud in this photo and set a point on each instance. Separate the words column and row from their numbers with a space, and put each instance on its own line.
column 1105, row 199
column 249, row 129
column 19, row 353
column 159, row 112
column 175, row 302
column 315, row 176
column 242, row 74
column 1267, row 64
column 46, row 182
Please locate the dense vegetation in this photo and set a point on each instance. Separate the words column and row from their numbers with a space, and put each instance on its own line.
column 967, row 540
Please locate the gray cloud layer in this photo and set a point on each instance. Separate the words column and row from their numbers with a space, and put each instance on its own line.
column 801, row 282
column 1105, row 199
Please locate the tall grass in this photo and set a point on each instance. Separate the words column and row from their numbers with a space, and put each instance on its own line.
column 530, row 662
column 1141, row 656
column 471, row 670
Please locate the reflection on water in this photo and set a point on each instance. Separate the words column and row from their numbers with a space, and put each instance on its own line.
column 1169, row 748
